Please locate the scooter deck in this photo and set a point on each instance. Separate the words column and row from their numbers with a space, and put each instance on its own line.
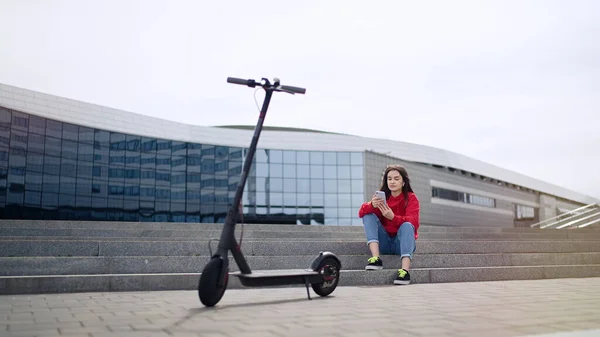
column 262, row 278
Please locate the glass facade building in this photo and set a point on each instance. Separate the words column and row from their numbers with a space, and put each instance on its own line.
column 56, row 170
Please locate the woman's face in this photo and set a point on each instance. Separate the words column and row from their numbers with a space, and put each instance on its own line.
column 394, row 181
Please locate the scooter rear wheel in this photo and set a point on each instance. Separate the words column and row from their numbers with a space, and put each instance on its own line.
column 330, row 269
column 208, row 289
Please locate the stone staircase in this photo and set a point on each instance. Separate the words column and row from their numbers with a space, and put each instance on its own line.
column 70, row 256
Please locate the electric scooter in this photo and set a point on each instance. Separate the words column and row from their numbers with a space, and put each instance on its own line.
column 324, row 272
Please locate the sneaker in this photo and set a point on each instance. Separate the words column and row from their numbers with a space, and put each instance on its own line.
column 403, row 277
column 375, row 263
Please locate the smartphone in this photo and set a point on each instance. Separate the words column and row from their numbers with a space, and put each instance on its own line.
column 381, row 194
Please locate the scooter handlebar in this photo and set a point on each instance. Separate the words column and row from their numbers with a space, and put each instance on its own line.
column 252, row 83
column 241, row 81
column 296, row 90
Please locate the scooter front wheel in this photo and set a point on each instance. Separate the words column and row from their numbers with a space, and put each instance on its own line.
column 329, row 268
column 209, row 291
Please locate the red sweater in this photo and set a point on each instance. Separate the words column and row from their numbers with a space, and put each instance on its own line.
column 401, row 215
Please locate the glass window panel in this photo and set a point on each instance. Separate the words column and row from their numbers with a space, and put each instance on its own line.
column 357, row 172
column 69, row 149
column 358, row 199
column 17, row 159
column 304, row 186
column 99, row 188
column 289, row 199
column 302, row 157
column 101, row 155
column 33, row 181
column 330, row 186
column 331, row 213
column 52, row 146
column 289, row 171
column 331, row 201
column 49, row 200
column 357, row 186
column 344, row 200
column 303, row 199
column 262, row 170
column 85, row 152
column 329, row 158
column 4, row 137
column 178, row 164
column 86, row 135
column 356, row 158
column 261, row 156
column 163, row 147
column 117, row 157
column 194, row 150
column 4, row 156
column 316, row 171
column 20, row 121
column 70, row 132
column 163, row 162
column 67, row 185
column 148, row 160
column 316, row 158
column 83, row 201
column 221, row 152
column 132, row 158
column 102, row 138
column 147, row 192
column 275, row 156
column 194, row 164
column 221, row 167
column 117, row 141
column 303, row 171
column 343, row 172
column 148, row 145
column 66, row 200
column 50, row 183
column 52, row 165
column 53, row 128
column 178, row 148
column 18, row 139
column 330, row 172
column 35, row 143
column 289, row 157
column 33, row 198
column 208, row 166
column 15, row 197
column 317, row 186
column 84, row 186
column 37, row 125
column 289, row 185
column 275, row 199
column 5, row 117
column 344, row 186
column 276, row 170
column 35, row 162
column 343, row 158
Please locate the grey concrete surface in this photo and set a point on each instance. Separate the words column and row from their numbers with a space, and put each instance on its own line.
column 502, row 308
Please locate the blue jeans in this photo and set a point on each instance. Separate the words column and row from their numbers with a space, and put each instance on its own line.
column 403, row 243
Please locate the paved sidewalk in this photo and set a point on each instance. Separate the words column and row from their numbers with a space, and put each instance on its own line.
column 512, row 308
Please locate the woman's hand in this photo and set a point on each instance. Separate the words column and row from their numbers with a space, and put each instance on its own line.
column 386, row 211
column 376, row 201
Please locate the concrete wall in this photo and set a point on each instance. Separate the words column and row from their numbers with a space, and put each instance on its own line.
column 436, row 211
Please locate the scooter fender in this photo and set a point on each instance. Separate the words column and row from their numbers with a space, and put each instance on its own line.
column 322, row 256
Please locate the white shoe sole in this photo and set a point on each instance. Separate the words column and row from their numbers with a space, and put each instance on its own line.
column 373, row 267
column 401, row 282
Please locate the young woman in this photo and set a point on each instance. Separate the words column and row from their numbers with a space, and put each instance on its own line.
column 391, row 225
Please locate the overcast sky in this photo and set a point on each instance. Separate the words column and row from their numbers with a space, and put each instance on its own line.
column 515, row 83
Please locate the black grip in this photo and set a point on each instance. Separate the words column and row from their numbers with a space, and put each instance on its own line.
column 235, row 80
column 296, row 90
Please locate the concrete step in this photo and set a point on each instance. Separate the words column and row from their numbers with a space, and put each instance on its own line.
column 64, row 233
column 47, row 224
column 35, row 284
column 280, row 247
column 191, row 264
